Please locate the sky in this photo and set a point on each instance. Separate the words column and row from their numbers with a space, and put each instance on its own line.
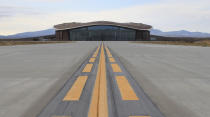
column 18, row 16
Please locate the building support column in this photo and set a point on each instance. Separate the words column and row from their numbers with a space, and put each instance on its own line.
column 62, row 35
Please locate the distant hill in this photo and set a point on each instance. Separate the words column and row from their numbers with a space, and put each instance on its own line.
column 181, row 33
column 2, row 37
column 29, row 34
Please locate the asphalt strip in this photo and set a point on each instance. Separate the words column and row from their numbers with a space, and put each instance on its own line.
column 158, row 98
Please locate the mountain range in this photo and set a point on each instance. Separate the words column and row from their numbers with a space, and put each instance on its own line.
column 29, row 34
column 181, row 33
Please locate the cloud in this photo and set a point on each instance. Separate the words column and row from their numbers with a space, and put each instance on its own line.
column 166, row 15
column 11, row 11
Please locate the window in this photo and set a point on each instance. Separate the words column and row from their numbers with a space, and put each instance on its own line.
column 102, row 33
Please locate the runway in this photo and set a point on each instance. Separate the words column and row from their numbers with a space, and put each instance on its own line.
column 101, row 87
column 127, row 79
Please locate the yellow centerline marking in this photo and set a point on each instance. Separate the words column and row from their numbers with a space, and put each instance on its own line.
column 126, row 91
column 116, row 68
column 108, row 52
column 88, row 68
column 99, row 106
column 76, row 90
column 92, row 60
column 112, row 60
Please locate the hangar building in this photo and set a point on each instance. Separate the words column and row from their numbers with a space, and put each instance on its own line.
column 102, row 31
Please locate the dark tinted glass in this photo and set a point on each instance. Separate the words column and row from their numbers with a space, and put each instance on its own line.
column 102, row 33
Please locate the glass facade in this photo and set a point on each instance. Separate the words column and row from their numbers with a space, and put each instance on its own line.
column 103, row 33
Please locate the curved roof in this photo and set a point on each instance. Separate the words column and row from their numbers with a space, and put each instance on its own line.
column 131, row 25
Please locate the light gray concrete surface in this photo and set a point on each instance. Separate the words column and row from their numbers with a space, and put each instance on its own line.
column 116, row 106
column 127, row 108
column 59, row 108
column 30, row 75
column 176, row 78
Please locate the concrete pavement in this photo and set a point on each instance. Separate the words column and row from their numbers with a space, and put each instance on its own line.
column 176, row 78
column 30, row 75
column 101, row 88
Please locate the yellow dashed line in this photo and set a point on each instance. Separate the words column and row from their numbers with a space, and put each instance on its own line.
column 116, row 68
column 88, row 68
column 111, row 60
column 126, row 91
column 95, row 55
column 92, row 60
column 108, row 52
column 96, row 52
column 76, row 90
